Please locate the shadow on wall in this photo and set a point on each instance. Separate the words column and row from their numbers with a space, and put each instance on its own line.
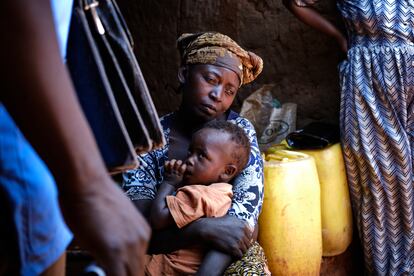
column 301, row 62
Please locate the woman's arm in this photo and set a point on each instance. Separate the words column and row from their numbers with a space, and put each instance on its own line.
column 314, row 19
column 227, row 234
column 248, row 185
column 140, row 185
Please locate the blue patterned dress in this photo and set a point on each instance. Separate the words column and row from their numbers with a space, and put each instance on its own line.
column 377, row 125
column 143, row 182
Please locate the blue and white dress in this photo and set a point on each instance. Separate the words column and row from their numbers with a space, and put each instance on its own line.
column 377, row 125
column 143, row 182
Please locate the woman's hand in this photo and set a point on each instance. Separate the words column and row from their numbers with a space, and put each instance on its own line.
column 228, row 234
column 174, row 172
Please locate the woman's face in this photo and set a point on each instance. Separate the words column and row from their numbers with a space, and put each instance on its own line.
column 208, row 90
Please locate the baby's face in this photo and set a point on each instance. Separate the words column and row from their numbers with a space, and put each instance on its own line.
column 209, row 153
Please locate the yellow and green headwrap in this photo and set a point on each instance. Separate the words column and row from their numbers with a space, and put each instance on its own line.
column 218, row 49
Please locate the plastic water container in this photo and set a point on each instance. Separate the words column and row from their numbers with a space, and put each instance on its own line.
column 290, row 222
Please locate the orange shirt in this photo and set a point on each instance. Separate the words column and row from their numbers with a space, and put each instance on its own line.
column 189, row 204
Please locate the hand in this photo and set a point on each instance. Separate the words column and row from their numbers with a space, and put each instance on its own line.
column 107, row 224
column 228, row 234
column 174, row 172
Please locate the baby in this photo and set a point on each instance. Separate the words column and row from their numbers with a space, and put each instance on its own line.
column 198, row 187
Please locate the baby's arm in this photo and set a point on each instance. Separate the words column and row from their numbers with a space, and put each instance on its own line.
column 214, row 263
column 160, row 216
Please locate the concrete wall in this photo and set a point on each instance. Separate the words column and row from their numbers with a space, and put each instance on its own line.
column 301, row 62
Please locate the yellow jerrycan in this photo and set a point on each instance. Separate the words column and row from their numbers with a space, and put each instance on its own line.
column 290, row 222
column 335, row 201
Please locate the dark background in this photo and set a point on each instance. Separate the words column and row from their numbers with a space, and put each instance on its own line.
column 301, row 62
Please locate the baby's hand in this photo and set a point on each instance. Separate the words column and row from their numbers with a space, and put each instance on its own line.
column 174, row 172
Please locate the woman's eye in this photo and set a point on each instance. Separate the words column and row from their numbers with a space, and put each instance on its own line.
column 230, row 92
column 210, row 80
column 201, row 155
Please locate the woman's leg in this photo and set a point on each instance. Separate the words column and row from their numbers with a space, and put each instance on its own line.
column 253, row 262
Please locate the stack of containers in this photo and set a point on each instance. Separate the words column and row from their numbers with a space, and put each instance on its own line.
column 306, row 211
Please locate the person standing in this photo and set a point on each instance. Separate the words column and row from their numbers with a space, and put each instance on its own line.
column 38, row 103
column 377, row 123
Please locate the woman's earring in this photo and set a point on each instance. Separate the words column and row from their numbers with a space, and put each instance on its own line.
column 182, row 75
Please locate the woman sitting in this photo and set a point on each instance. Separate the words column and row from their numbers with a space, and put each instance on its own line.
column 197, row 187
column 213, row 67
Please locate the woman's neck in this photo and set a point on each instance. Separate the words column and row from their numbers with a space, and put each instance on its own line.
column 182, row 128
column 186, row 123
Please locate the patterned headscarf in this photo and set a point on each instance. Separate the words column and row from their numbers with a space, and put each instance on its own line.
column 221, row 50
